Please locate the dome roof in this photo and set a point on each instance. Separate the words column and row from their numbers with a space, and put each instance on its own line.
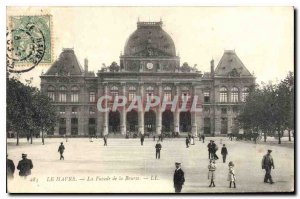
column 149, row 39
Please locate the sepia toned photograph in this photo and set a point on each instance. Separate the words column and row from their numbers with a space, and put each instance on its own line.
column 150, row 100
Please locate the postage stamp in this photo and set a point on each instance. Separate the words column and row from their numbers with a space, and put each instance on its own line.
column 28, row 42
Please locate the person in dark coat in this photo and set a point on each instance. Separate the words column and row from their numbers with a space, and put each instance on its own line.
column 105, row 140
column 224, row 153
column 10, row 168
column 209, row 147
column 61, row 150
column 142, row 139
column 178, row 178
column 187, row 141
column 214, row 150
column 268, row 164
column 158, row 148
column 25, row 165
column 203, row 137
column 153, row 137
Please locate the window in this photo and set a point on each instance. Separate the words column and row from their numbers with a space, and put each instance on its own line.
column 223, row 94
column 92, row 110
column 51, row 93
column 167, row 93
column 62, row 97
column 224, row 110
column 62, row 110
column 74, row 110
column 206, row 96
column 114, row 91
column 185, row 96
column 150, row 93
column 92, row 96
column 245, row 93
column 234, row 94
column 206, row 109
column 131, row 93
column 74, row 94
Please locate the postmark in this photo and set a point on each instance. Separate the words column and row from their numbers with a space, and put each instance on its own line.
column 28, row 42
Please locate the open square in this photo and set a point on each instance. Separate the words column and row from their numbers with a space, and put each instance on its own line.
column 124, row 166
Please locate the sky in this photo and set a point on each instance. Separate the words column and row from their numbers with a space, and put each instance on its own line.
column 262, row 37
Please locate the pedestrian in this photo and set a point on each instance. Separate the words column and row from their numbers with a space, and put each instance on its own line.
column 211, row 172
column 231, row 174
column 25, row 165
column 61, row 150
column 162, row 137
column 203, row 137
column 10, row 168
column 158, row 148
column 224, row 153
column 28, row 136
column 268, row 164
column 214, row 150
column 187, row 141
column 200, row 137
column 178, row 178
column 192, row 140
column 153, row 137
column 105, row 140
column 142, row 139
column 209, row 147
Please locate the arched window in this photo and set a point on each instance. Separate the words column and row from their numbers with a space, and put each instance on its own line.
column 62, row 97
column 185, row 93
column 51, row 93
column 167, row 93
column 114, row 91
column 234, row 94
column 223, row 94
column 245, row 93
column 149, row 93
column 131, row 93
column 74, row 94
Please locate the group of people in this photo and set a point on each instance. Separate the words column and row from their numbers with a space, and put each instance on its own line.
column 24, row 166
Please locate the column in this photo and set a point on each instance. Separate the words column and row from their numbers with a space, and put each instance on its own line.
column 123, row 111
column 177, row 112
column 159, row 112
column 194, row 115
column 68, row 121
column 105, row 126
column 141, row 112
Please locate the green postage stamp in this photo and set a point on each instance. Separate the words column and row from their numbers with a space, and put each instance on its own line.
column 28, row 42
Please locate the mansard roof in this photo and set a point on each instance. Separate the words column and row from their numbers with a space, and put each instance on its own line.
column 67, row 63
column 231, row 65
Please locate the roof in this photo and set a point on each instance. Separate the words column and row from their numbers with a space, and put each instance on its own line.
column 231, row 65
column 149, row 38
column 67, row 63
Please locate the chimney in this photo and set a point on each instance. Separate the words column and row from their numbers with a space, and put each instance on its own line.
column 212, row 68
column 86, row 65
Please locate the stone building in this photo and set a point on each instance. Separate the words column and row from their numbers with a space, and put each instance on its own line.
column 148, row 67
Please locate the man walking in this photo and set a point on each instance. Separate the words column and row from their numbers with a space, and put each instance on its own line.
column 267, row 164
column 187, row 141
column 209, row 147
column 61, row 150
column 203, row 137
column 142, row 139
column 158, row 148
column 178, row 178
column 105, row 140
column 224, row 153
column 25, row 165
column 10, row 168
column 214, row 150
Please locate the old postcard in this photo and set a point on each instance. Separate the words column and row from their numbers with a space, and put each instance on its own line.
column 150, row 100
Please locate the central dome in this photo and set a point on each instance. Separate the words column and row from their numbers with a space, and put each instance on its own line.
column 150, row 39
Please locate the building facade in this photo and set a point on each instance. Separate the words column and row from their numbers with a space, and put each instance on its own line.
column 148, row 67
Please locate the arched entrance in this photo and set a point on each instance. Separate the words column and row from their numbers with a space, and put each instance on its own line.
column 150, row 121
column 114, row 121
column 185, row 121
column 167, row 121
column 132, row 121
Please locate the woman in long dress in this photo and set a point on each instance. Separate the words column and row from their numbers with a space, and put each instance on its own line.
column 231, row 175
column 211, row 172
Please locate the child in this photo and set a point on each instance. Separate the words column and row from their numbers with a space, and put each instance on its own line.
column 224, row 153
column 231, row 175
column 211, row 172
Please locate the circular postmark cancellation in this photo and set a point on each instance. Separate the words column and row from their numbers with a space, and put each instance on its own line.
column 24, row 45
